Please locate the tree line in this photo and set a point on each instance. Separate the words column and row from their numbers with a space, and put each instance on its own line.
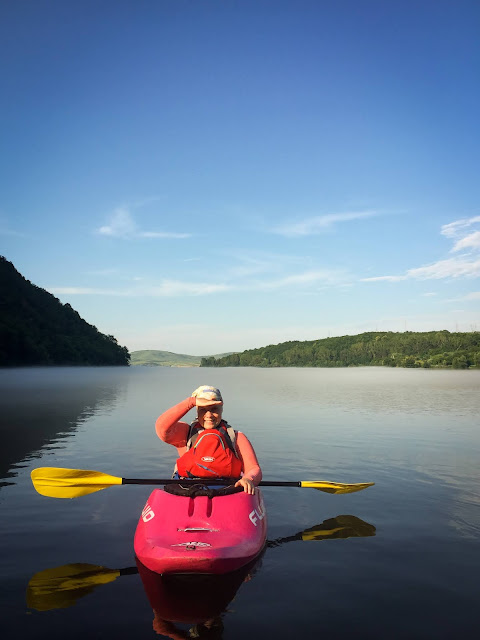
column 431, row 349
column 37, row 329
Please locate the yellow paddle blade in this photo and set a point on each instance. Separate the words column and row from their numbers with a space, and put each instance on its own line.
column 60, row 587
column 339, row 527
column 54, row 482
column 335, row 487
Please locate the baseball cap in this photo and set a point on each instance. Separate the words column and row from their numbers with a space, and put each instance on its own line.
column 208, row 393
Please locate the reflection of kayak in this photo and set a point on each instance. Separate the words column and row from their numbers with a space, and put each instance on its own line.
column 192, row 598
column 178, row 534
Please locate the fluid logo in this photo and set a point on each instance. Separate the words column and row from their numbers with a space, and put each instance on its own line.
column 257, row 514
column 147, row 513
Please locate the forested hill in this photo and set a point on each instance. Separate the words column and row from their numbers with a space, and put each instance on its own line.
column 37, row 329
column 153, row 357
column 409, row 349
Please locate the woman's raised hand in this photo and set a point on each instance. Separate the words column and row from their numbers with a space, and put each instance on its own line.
column 204, row 402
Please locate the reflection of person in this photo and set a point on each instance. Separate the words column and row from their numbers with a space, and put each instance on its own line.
column 209, row 404
column 212, row 629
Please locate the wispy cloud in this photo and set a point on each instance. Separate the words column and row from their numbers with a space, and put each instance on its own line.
column 452, row 268
column 166, row 288
column 5, row 230
column 86, row 291
column 314, row 277
column 474, row 295
column 252, row 263
column 319, row 224
column 471, row 241
column 467, row 265
column 179, row 288
column 102, row 272
column 465, row 232
column 457, row 228
column 123, row 225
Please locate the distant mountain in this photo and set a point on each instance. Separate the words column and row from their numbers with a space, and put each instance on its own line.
column 436, row 349
column 37, row 329
column 167, row 358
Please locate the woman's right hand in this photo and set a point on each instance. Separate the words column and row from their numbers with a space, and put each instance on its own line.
column 203, row 402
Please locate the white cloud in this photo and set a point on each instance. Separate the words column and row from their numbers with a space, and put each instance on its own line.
column 167, row 288
column 472, row 240
column 384, row 278
column 318, row 224
column 474, row 295
column 451, row 268
column 304, row 279
column 255, row 262
column 466, row 265
column 456, row 228
column 122, row 225
column 177, row 288
column 85, row 291
column 162, row 234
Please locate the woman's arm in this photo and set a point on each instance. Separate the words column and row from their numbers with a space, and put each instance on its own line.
column 168, row 426
column 251, row 468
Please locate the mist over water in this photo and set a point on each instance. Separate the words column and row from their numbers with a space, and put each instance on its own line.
column 415, row 433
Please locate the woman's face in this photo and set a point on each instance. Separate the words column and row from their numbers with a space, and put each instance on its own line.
column 210, row 417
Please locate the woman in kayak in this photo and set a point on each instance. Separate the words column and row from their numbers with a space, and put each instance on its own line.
column 236, row 456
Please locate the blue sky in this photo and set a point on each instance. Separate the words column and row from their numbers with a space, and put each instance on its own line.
column 203, row 176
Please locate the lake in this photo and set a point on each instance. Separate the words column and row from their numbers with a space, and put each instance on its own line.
column 398, row 560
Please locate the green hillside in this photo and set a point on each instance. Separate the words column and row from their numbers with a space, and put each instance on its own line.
column 37, row 329
column 440, row 349
column 167, row 358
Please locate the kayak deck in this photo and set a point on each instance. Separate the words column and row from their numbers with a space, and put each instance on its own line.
column 177, row 534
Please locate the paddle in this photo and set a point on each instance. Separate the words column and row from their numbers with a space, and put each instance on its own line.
column 55, row 482
column 60, row 587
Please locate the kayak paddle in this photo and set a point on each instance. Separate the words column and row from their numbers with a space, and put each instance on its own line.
column 55, row 482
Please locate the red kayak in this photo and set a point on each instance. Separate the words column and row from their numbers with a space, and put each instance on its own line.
column 179, row 534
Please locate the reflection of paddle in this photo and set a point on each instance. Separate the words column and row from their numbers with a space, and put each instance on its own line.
column 72, row 483
column 60, row 587
column 333, row 528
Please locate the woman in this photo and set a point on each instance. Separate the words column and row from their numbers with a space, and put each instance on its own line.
column 209, row 403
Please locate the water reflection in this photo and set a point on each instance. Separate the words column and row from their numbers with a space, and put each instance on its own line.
column 199, row 600
column 43, row 406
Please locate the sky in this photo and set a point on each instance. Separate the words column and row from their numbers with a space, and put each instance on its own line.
column 205, row 176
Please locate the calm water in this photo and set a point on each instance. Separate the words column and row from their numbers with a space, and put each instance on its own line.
column 413, row 432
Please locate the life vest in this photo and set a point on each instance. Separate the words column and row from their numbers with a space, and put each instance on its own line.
column 211, row 453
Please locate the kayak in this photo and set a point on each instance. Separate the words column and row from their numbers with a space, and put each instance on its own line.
column 179, row 534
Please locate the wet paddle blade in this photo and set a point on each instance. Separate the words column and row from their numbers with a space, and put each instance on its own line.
column 60, row 587
column 335, row 487
column 70, row 483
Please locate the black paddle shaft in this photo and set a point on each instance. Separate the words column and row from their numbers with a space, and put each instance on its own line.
column 206, row 481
